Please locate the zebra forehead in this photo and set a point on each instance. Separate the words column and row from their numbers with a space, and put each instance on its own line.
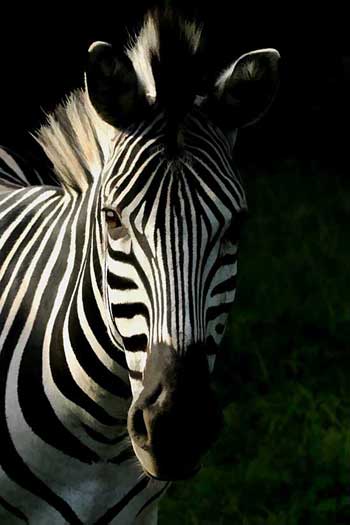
column 172, row 204
column 178, row 186
column 141, row 165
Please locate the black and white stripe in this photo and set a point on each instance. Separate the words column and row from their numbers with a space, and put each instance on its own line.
column 178, row 242
column 130, row 242
column 64, row 383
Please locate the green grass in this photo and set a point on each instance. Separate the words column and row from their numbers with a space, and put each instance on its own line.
column 283, row 376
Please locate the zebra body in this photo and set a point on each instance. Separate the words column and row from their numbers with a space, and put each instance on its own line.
column 116, row 279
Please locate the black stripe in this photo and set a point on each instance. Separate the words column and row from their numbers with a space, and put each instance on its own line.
column 203, row 167
column 114, row 511
column 220, row 328
column 118, row 256
column 225, row 286
column 153, row 498
column 159, row 179
column 35, row 406
column 130, row 259
column 215, row 268
column 188, row 205
column 174, row 242
column 129, row 310
column 97, row 436
column 181, row 253
column 69, row 388
column 90, row 362
column 136, row 343
column 215, row 311
column 211, row 347
column 141, row 180
column 228, row 259
column 120, row 283
column 14, row 465
column 13, row 510
column 126, row 454
column 134, row 374
column 40, row 415
column 95, row 320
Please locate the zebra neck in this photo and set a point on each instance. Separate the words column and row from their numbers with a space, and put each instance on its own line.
column 85, row 374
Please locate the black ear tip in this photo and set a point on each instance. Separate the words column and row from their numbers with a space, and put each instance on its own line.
column 99, row 51
column 99, row 47
column 271, row 52
column 273, row 57
column 98, row 43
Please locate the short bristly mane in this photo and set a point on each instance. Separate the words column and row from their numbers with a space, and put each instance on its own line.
column 163, row 51
column 77, row 141
column 168, row 62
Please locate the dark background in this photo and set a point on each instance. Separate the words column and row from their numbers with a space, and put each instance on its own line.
column 283, row 377
column 42, row 52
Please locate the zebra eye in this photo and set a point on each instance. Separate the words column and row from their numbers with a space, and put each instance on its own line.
column 112, row 218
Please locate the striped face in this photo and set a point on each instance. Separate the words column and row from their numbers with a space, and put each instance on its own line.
column 172, row 230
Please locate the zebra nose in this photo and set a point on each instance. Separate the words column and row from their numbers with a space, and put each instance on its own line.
column 170, row 431
column 141, row 418
column 176, row 418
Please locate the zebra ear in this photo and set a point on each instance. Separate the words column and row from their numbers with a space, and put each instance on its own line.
column 244, row 91
column 113, row 86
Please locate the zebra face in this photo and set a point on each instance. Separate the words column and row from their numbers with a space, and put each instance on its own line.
column 172, row 231
column 173, row 207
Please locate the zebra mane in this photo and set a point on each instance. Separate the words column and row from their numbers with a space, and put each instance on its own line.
column 76, row 141
column 163, row 52
column 168, row 60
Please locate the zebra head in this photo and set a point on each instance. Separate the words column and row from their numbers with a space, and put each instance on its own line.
column 171, row 209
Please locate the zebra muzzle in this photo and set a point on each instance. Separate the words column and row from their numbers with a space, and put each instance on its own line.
column 176, row 418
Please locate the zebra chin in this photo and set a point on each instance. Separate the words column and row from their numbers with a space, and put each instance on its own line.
column 176, row 417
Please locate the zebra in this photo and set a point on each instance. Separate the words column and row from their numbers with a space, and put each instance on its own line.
column 117, row 272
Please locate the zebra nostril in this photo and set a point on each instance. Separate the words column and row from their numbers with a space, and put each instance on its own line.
column 143, row 415
column 139, row 424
